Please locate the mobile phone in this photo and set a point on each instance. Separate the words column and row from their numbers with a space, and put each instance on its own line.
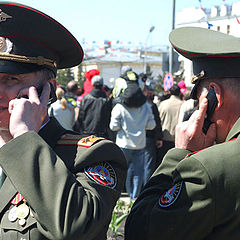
column 212, row 103
column 52, row 96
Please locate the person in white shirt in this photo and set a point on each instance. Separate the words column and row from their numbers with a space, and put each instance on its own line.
column 131, row 125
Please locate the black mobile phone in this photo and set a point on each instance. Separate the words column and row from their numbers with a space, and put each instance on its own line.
column 52, row 96
column 212, row 103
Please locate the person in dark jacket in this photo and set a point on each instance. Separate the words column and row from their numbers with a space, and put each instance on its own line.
column 95, row 111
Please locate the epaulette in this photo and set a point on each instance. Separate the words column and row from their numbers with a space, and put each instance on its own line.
column 192, row 153
column 73, row 140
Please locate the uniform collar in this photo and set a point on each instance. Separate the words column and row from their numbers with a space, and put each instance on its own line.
column 52, row 131
column 234, row 132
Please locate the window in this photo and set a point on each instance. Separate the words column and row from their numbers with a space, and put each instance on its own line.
column 228, row 29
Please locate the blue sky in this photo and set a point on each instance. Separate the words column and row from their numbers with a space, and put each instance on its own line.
column 124, row 20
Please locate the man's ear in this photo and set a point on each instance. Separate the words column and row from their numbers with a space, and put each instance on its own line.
column 53, row 81
column 219, row 93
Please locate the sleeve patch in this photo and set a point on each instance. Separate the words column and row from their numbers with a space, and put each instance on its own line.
column 169, row 197
column 102, row 173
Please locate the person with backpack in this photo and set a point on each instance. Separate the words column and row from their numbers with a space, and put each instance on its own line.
column 94, row 111
column 131, row 117
column 121, row 83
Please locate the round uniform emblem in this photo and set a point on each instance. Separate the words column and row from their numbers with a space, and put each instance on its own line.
column 102, row 173
column 169, row 197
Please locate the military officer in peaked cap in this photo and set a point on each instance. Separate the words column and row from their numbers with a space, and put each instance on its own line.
column 194, row 194
column 54, row 184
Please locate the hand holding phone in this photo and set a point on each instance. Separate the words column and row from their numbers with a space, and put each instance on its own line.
column 212, row 103
column 52, row 96
column 28, row 115
column 189, row 134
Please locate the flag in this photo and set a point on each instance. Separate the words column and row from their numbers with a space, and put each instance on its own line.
column 237, row 20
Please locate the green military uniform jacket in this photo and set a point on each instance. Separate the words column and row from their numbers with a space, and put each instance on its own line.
column 197, row 197
column 71, row 186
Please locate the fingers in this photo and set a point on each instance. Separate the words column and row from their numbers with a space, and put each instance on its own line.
column 202, row 111
column 35, row 94
column 198, row 117
column 189, row 135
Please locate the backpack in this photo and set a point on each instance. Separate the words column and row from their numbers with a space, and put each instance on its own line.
column 132, row 96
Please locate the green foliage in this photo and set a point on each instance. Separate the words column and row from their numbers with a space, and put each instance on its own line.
column 80, row 78
column 120, row 213
column 64, row 76
column 148, row 70
column 159, row 85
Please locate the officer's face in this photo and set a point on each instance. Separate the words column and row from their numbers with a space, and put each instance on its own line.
column 10, row 87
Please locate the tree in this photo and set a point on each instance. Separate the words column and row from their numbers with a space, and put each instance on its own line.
column 158, row 84
column 64, row 76
column 80, row 77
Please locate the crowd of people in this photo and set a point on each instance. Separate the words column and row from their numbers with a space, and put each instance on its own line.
column 128, row 115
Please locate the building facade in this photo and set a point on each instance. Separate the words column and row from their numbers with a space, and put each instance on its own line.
column 224, row 18
column 110, row 64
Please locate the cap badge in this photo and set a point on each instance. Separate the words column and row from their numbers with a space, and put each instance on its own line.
column 198, row 76
column 4, row 16
column 5, row 45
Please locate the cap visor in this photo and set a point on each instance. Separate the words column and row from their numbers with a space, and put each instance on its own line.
column 18, row 68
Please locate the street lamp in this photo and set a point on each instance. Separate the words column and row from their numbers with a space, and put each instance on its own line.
column 145, row 50
column 171, row 48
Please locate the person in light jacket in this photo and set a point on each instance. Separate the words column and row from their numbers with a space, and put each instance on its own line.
column 131, row 124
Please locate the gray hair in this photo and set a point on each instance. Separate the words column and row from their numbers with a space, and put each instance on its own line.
column 233, row 84
column 45, row 74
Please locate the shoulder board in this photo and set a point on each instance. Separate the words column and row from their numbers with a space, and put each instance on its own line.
column 73, row 140
column 192, row 153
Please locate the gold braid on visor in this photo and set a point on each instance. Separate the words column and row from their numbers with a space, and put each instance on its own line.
column 35, row 60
